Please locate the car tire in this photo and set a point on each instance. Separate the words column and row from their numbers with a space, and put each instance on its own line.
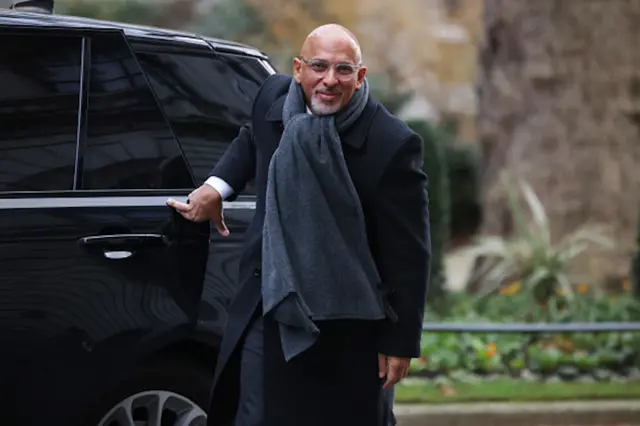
column 176, row 381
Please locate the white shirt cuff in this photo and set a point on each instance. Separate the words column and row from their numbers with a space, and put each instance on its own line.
column 219, row 185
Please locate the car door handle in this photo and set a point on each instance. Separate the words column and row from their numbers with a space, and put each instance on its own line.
column 122, row 246
column 117, row 254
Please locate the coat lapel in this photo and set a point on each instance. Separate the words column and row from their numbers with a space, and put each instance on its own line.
column 275, row 112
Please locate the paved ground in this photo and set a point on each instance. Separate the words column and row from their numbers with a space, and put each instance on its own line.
column 588, row 413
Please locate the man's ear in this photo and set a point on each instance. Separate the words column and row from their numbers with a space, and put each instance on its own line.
column 362, row 72
column 297, row 69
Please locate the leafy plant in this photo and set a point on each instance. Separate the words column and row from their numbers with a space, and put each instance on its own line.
column 531, row 258
column 463, row 355
column 468, row 357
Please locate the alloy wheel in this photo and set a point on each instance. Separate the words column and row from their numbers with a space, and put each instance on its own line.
column 155, row 408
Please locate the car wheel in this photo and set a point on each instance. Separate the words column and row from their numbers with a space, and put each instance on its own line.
column 169, row 392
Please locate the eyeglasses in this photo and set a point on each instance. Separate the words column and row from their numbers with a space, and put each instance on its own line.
column 321, row 66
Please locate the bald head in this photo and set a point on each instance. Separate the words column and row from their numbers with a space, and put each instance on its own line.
column 329, row 68
column 334, row 37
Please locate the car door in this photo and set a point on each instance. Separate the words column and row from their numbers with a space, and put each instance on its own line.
column 206, row 97
column 95, row 271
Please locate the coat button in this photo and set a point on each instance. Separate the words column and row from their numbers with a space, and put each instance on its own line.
column 257, row 272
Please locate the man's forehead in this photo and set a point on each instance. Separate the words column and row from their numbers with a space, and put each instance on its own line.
column 332, row 50
column 332, row 42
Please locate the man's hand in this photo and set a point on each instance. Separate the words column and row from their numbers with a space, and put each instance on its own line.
column 394, row 368
column 205, row 203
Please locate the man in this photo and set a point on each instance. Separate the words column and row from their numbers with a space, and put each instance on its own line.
column 333, row 277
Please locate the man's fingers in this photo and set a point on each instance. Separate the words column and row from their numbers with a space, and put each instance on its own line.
column 382, row 365
column 179, row 206
column 193, row 212
column 221, row 226
column 391, row 379
column 405, row 372
column 397, row 371
column 394, row 375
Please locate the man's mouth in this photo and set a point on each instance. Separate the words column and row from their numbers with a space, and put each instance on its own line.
column 327, row 96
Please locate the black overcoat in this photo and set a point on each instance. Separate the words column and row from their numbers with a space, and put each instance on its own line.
column 336, row 383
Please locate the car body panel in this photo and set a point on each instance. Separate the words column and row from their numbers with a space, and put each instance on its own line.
column 96, row 281
column 73, row 316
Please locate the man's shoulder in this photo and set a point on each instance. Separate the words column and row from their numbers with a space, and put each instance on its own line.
column 274, row 86
column 388, row 127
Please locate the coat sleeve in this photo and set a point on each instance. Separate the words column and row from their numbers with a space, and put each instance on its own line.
column 402, row 249
column 237, row 166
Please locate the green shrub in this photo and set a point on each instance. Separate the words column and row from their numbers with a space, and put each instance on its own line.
column 531, row 258
column 568, row 356
column 439, row 207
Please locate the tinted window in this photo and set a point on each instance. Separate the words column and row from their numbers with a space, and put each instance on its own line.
column 39, row 96
column 205, row 97
column 129, row 143
column 249, row 73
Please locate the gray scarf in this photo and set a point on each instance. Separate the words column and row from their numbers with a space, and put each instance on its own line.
column 316, row 263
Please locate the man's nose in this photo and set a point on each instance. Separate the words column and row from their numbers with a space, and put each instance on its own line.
column 330, row 78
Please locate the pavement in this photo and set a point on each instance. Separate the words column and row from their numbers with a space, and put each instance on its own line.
column 582, row 413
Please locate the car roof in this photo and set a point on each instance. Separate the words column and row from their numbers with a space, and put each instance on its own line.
column 22, row 19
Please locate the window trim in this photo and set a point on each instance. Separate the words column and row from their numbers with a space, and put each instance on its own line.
column 83, row 110
column 267, row 65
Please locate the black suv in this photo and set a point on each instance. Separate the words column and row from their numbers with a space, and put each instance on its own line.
column 112, row 305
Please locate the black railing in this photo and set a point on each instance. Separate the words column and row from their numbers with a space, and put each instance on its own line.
column 533, row 328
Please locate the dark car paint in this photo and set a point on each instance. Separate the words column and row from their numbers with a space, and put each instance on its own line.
column 72, row 321
column 32, row 20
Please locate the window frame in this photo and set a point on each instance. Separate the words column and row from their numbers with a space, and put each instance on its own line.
column 198, row 48
column 84, row 36
column 21, row 31
column 82, row 144
column 202, row 48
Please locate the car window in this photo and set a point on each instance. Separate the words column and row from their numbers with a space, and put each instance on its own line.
column 250, row 75
column 39, row 97
column 206, row 98
column 249, row 72
column 129, row 144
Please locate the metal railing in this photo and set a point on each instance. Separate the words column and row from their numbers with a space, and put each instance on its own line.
column 533, row 328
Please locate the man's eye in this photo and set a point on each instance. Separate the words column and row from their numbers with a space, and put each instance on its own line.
column 319, row 66
column 344, row 69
